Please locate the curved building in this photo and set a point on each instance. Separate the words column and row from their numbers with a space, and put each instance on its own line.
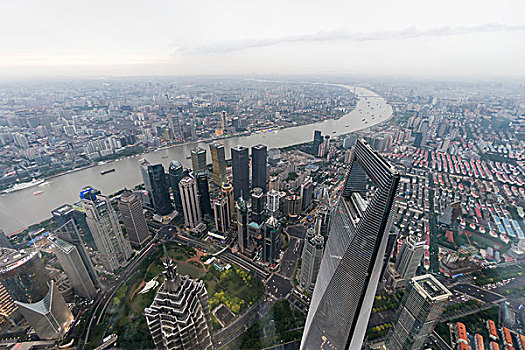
column 354, row 255
column 23, row 275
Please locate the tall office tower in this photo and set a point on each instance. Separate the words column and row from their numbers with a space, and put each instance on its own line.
column 257, row 205
column 242, row 225
column 351, row 266
column 274, row 183
column 218, row 160
column 420, row 309
column 114, row 250
column 134, row 220
column 49, row 317
column 410, row 256
column 179, row 317
column 272, row 240
column 156, row 184
column 259, row 167
column 311, row 258
column 4, row 240
column 224, row 120
column 198, row 160
column 318, row 139
column 227, row 192
column 322, row 221
column 68, row 222
column 273, row 202
column 307, row 194
column 241, row 172
column 222, row 215
column 190, row 202
column 292, row 206
column 175, row 173
column 23, row 275
column 77, row 273
column 203, row 190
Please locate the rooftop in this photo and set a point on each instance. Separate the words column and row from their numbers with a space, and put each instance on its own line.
column 431, row 288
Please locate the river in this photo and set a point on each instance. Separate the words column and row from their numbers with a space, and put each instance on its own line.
column 20, row 209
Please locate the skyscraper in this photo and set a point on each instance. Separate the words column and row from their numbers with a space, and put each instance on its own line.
column 203, row 190
column 114, row 250
column 133, row 218
column 67, row 220
column 307, row 193
column 77, row 273
column 271, row 231
column 410, row 256
column 420, row 310
column 190, row 202
column 318, row 139
column 311, row 258
column 259, row 167
column 198, row 160
column 221, row 214
column 50, row 317
column 218, row 160
column 179, row 317
column 257, row 205
column 273, row 198
column 241, row 172
column 156, row 184
column 322, row 221
column 227, row 192
column 175, row 173
column 351, row 265
column 242, row 225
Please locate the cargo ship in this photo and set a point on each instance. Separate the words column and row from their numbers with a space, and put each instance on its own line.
column 104, row 172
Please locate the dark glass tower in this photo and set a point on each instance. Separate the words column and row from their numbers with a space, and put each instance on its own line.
column 198, row 159
column 259, row 168
column 175, row 174
column 318, row 139
column 242, row 225
column 258, row 205
column 156, row 183
column 241, row 172
column 218, row 160
column 353, row 259
column 204, row 192
column 272, row 240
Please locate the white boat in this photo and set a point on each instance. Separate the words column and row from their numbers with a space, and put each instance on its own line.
column 23, row 185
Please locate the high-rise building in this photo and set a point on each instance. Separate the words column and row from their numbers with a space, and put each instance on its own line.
column 218, row 160
column 272, row 240
column 69, row 221
column 203, row 190
column 274, row 156
column 241, row 172
column 259, row 167
column 311, row 258
column 198, row 160
column 114, row 250
column 322, row 221
column 227, row 192
column 50, row 317
column 318, row 139
column 420, row 310
column 222, row 214
column 23, row 275
column 7, row 305
column 133, row 218
column 175, row 173
column 307, row 194
column 156, row 184
column 354, row 254
column 4, row 240
column 77, row 273
column 242, row 225
column 257, row 206
column 179, row 317
column 410, row 256
column 292, row 205
column 273, row 198
column 190, row 202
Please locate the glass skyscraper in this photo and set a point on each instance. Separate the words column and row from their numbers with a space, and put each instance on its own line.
column 241, row 172
column 354, row 255
column 259, row 167
column 156, row 183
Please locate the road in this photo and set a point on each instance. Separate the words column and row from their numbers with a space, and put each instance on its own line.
column 290, row 257
column 102, row 302
column 478, row 293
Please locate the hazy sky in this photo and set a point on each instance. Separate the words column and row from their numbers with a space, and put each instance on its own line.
column 449, row 38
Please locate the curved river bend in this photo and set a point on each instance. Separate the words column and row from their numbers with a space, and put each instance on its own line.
column 22, row 208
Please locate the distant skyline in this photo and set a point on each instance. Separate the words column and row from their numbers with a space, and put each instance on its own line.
column 449, row 39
